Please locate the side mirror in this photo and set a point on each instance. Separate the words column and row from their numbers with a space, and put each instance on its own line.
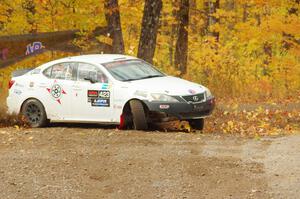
column 91, row 77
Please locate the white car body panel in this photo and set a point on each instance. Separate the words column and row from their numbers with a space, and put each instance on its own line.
column 168, row 85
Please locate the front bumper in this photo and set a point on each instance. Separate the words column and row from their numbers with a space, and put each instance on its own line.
column 183, row 110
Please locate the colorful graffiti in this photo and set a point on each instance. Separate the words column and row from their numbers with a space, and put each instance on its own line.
column 35, row 46
column 4, row 54
column 2, row 79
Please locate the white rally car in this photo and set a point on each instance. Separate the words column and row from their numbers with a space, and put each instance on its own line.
column 109, row 89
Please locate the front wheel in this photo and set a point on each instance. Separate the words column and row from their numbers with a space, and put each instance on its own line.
column 138, row 115
column 197, row 124
column 34, row 113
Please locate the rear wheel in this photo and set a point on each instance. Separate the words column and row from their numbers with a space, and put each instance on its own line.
column 138, row 115
column 34, row 113
column 197, row 124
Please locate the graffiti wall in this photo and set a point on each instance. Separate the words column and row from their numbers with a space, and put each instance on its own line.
column 30, row 50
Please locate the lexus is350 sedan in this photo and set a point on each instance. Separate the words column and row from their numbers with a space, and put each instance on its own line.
column 107, row 89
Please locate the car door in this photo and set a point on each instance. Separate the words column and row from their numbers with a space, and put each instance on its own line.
column 56, row 90
column 93, row 91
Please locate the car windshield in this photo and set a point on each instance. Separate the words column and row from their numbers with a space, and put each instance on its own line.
column 131, row 70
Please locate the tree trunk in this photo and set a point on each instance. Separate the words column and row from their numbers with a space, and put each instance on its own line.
column 211, row 7
column 294, row 9
column 268, row 52
column 112, row 15
column 231, row 7
column 171, row 44
column 173, row 33
column 181, row 53
column 150, row 24
column 192, row 13
column 29, row 7
column 229, row 4
column 245, row 12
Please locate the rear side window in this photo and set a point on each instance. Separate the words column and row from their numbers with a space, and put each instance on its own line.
column 65, row 71
column 47, row 72
column 35, row 71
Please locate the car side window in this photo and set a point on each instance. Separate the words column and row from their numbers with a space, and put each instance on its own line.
column 47, row 72
column 35, row 71
column 88, row 71
column 65, row 71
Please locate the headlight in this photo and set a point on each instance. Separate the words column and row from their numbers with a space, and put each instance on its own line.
column 162, row 98
column 141, row 93
column 208, row 94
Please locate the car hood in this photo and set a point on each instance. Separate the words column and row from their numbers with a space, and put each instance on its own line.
column 168, row 85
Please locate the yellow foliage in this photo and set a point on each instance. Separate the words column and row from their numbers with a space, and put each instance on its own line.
column 256, row 57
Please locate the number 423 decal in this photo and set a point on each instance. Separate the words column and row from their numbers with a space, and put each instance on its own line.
column 104, row 94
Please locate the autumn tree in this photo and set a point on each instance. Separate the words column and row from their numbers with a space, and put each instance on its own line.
column 150, row 24
column 29, row 8
column 211, row 7
column 114, row 24
column 181, row 53
column 173, row 32
column 238, row 48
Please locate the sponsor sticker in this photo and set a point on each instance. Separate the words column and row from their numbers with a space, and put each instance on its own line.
column 115, row 64
column 18, row 92
column 99, row 98
column 31, row 84
column 100, row 102
column 105, row 86
column 191, row 91
column 164, row 106
column 92, row 93
column 19, row 85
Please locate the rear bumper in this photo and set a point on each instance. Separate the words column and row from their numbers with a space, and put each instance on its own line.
column 183, row 110
column 13, row 106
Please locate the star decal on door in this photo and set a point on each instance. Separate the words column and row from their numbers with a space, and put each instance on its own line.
column 56, row 92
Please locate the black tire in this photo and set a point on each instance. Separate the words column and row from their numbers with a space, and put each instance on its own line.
column 34, row 113
column 138, row 115
column 197, row 124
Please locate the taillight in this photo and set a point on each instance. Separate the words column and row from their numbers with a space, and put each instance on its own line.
column 11, row 83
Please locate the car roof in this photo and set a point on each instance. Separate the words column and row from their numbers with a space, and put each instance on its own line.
column 96, row 58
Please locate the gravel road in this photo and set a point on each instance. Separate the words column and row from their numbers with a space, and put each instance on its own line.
column 93, row 162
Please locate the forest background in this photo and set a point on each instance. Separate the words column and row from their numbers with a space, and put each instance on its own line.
column 243, row 50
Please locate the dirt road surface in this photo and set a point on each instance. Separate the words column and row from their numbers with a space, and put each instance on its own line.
column 92, row 162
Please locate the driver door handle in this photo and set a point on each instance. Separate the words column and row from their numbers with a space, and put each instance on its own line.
column 76, row 87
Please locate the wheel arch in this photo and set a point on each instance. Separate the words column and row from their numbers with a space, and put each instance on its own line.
column 32, row 98
column 126, row 106
column 127, row 111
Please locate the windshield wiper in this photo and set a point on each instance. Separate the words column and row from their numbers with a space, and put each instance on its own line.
column 128, row 80
column 146, row 77
column 151, row 76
